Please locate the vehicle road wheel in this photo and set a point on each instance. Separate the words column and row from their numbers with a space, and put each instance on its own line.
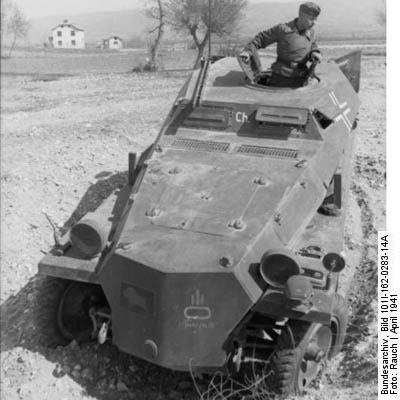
column 302, row 350
column 73, row 319
column 48, row 296
column 62, row 310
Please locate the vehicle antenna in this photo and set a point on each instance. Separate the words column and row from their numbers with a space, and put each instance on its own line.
column 209, row 29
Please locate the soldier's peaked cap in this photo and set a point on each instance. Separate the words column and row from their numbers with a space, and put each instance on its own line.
column 310, row 8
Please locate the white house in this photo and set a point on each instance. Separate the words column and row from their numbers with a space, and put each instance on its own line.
column 113, row 42
column 68, row 36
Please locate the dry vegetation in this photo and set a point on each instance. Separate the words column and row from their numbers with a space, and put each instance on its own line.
column 68, row 122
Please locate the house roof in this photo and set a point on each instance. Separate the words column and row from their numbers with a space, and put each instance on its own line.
column 68, row 25
column 114, row 37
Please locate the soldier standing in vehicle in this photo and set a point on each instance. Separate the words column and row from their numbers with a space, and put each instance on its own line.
column 296, row 46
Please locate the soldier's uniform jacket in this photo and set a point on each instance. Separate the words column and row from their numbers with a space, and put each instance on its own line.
column 293, row 47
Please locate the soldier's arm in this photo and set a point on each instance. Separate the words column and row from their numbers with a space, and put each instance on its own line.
column 314, row 50
column 264, row 38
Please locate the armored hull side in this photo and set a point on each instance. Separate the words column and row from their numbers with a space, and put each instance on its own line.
column 212, row 201
column 237, row 170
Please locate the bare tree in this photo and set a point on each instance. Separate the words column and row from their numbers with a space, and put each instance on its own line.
column 156, row 12
column 6, row 8
column 381, row 14
column 195, row 18
column 14, row 23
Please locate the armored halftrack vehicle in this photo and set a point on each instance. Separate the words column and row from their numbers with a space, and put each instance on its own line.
column 217, row 253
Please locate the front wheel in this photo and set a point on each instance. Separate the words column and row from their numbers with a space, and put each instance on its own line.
column 62, row 310
column 303, row 349
column 49, row 292
column 73, row 313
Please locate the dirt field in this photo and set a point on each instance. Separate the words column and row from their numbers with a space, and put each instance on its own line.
column 65, row 136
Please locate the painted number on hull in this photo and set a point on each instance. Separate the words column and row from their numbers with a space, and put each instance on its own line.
column 241, row 116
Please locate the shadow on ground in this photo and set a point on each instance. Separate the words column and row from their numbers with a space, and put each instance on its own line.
column 105, row 373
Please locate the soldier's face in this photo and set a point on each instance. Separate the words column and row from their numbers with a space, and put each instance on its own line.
column 306, row 21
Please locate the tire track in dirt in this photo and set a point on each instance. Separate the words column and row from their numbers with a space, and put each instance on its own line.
column 360, row 354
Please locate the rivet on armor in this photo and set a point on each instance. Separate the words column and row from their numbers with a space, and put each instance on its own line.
column 260, row 181
column 153, row 212
column 174, row 171
column 225, row 262
column 237, row 224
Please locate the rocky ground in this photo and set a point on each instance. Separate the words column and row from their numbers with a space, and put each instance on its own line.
column 64, row 144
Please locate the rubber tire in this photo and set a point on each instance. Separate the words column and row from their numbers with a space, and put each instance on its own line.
column 48, row 296
column 286, row 360
column 73, row 318
column 340, row 318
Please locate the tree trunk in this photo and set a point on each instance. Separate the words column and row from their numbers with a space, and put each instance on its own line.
column 12, row 45
column 157, row 41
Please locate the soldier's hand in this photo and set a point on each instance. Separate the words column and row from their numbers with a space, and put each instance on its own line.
column 245, row 56
column 316, row 56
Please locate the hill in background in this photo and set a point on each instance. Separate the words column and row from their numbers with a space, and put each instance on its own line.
column 339, row 18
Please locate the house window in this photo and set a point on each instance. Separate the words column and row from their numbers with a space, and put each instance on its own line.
column 115, row 42
column 59, row 33
column 73, row 42
column 72, row 33
column 60, row 42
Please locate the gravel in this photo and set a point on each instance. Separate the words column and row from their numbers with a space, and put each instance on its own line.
column 65, row 140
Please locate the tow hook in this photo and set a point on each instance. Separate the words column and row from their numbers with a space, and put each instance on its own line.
column 102, row 336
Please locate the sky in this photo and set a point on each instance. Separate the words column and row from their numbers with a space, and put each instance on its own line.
column 44, row 8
